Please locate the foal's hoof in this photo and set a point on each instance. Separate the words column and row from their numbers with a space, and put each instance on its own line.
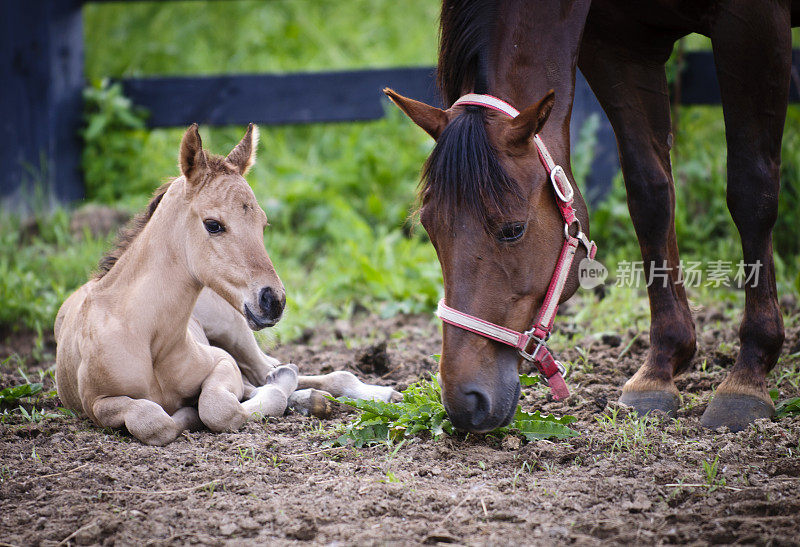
column 735, row 411
column 284, row 378
column 644, row 402
column 311, row 402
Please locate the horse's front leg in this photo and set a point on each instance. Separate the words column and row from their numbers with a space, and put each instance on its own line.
column 752, row 50
column 634, row 95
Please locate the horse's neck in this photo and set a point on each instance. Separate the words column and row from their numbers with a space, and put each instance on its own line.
column 535, row 52
column 151, row 284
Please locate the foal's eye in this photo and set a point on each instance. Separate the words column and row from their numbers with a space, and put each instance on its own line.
column 213, row 226
column 511, row 231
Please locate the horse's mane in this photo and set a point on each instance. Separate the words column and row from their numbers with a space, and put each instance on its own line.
column 127, row 234
column 463, row 170
column 465, row 32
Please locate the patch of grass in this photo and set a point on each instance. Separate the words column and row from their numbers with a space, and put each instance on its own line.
column 711, row 474
column 245, row 455
column 630, row 433
column 421, row 411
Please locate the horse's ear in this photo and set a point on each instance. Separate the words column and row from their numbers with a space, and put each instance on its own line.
column 433, row 120
column 193, row 160
column 530, row 121
column 243, row 155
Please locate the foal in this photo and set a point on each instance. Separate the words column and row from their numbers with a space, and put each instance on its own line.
column 135, row 343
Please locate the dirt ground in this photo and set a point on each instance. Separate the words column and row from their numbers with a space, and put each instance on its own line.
column 62, row 480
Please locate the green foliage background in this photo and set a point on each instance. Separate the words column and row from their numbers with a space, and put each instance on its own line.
column 339, row 196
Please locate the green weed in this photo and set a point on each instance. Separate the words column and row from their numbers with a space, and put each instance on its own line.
column 787, row 407
column 11, row 396
column 421, row 411
column 245, row 455
column 35, row 415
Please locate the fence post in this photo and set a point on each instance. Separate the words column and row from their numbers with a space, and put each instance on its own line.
column 41, row 67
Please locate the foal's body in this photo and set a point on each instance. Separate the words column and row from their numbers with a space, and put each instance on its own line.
column 135, row 344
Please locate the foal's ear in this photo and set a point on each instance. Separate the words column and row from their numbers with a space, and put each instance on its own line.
column 530, row 121
column 433, row 120
column 193, row 160
column 243, row 155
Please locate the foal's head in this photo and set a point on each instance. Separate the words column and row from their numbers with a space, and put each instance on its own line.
column 489, row 210
column 225, row 229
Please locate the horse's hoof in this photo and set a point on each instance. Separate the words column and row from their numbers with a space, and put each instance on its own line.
column 644, row 402
column 735, row 411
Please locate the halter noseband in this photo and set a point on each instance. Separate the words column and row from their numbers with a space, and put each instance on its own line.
column 552, row 370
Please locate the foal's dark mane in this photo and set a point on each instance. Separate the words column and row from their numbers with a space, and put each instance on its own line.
column 217, row 165
column 463, row 170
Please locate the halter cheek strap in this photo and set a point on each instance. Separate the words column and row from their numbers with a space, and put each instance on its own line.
column 532, row 344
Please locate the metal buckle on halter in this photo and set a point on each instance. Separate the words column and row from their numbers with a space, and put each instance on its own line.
column 561, row 369
column 578, row 235
column 555, row 171
column 531, row 357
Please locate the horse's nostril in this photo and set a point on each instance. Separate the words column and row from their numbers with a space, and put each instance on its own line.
column 271, row 305
column 478, row 404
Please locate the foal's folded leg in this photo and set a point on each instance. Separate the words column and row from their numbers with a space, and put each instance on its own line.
column 218, row 404
column 345, row 384
column 227, row 329
column 145, row 419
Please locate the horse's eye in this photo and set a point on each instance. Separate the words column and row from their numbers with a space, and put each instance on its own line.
column 511, row 231
column 213, row 226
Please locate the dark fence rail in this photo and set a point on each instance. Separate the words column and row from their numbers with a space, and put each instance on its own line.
column 41, row 66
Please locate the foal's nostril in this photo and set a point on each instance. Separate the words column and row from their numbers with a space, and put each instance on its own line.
column 271, row 305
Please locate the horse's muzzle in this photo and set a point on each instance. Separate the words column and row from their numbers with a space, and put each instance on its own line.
column 476, row 409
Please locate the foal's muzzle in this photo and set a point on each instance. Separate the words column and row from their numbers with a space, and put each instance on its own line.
column 270, row 309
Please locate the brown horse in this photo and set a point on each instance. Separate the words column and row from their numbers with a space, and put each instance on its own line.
column 489, row 209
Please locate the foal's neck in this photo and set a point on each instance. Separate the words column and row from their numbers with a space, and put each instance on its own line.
column 151, row 283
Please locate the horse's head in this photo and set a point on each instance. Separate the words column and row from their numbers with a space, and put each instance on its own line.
column 225, row 229
column 488, row 207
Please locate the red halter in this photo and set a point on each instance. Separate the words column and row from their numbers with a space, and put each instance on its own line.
column 537, row 335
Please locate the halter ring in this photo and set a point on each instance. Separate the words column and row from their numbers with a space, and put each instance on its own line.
column 553, row 173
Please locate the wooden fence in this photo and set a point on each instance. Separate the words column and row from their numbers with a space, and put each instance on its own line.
column 41, row 104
